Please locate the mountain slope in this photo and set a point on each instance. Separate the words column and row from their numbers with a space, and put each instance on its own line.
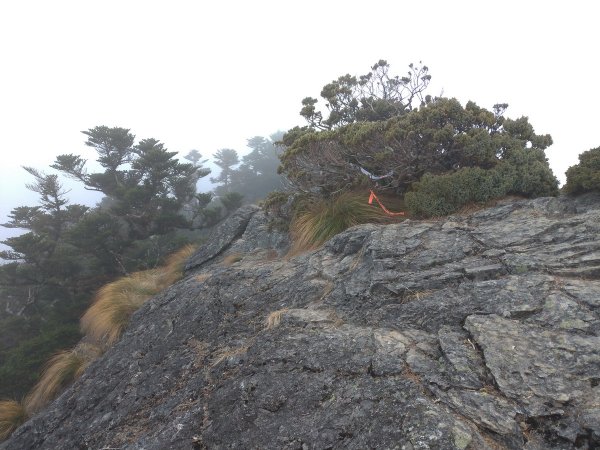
column 477, row 331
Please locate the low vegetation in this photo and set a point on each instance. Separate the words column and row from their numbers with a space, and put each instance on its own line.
column 585, row 176
column 231, row 259
column 102, row 324
column 318, row 220
column 12, row 414
column 106, row 319
column 274, row 319
column 60, row 371
column 445, row 194
column 438, row 153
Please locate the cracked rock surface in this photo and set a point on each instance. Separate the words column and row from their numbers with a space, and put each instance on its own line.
column 473, row 332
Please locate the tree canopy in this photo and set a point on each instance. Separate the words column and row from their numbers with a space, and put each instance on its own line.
column 437, row 138
column 584, row 176
column 374, row 96
column 146, row 186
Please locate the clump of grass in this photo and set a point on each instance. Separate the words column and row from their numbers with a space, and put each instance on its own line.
column 418, row 295
column 173, row 267
column 227, row 352
column 115, row 302
column 106, row 319
column 12, row 414
column 60, row 370
column 232, row 259
column 202, row 277
column 274, row 319
column 319, row 220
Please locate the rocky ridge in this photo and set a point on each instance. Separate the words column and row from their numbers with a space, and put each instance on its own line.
column 472, row 332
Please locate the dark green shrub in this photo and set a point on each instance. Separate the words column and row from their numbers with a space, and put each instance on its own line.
column 438, row 138
column 528, row 174
column 585, row 176
column 232, row 201
column 445, row 194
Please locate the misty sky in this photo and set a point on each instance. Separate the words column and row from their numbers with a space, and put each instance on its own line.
column 200, row 75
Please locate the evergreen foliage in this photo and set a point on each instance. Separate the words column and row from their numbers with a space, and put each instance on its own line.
column 23, row 364
column 585, row 176
column 372, row 97
column 145, row 185
column 438, row 138
column 69, row 250
column 226, row 159
column 256, row 175
column 445, row 194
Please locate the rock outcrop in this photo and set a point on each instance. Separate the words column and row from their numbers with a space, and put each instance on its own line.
column 471, row 332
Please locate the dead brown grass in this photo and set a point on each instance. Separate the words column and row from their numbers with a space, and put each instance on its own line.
column 232, row 259
column 202, row 277
column 274, row 319
column 115, row 302
column 60, row 370
column 108, row 316
column 173, row 267
column 103, row 322
column 12, row 414
column 228, row 352
column 418, row 295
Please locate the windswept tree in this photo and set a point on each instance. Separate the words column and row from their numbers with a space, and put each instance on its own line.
column 440, row 137
column 377, row 136
column 257, row 174
column 226, row 159
column 374, row 96
column 39, row 288
column 195, row 157
column 46, row 223
column 69, row 251
column 145, row 184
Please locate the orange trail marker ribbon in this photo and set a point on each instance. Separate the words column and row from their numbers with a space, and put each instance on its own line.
column 385, row 210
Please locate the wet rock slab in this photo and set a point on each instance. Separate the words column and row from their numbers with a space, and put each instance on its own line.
column 473, row 332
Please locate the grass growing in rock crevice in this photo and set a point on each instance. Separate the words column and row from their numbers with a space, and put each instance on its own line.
column 106, row 319
column 60, row 371
column 319, row 220
column 12, row 414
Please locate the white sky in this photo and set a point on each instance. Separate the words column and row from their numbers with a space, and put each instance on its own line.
column 208, row 75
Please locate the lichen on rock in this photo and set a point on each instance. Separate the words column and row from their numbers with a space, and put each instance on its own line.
column 473, row 332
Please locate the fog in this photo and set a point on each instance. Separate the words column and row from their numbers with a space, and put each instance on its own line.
column 209, row 76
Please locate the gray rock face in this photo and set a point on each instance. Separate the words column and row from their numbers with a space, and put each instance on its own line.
column 474, row 332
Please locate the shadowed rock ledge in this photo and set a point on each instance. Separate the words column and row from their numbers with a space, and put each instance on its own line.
column 472, row 332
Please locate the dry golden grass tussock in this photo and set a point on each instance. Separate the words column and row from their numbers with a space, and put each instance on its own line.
column 227, row 352
column 176, row 262
column 60, row 370
column 12, row 414
column 202, row 277
column 106, row 319
column 274, row 319
column 115, row 302
column 320, row 220
column 232, row 259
